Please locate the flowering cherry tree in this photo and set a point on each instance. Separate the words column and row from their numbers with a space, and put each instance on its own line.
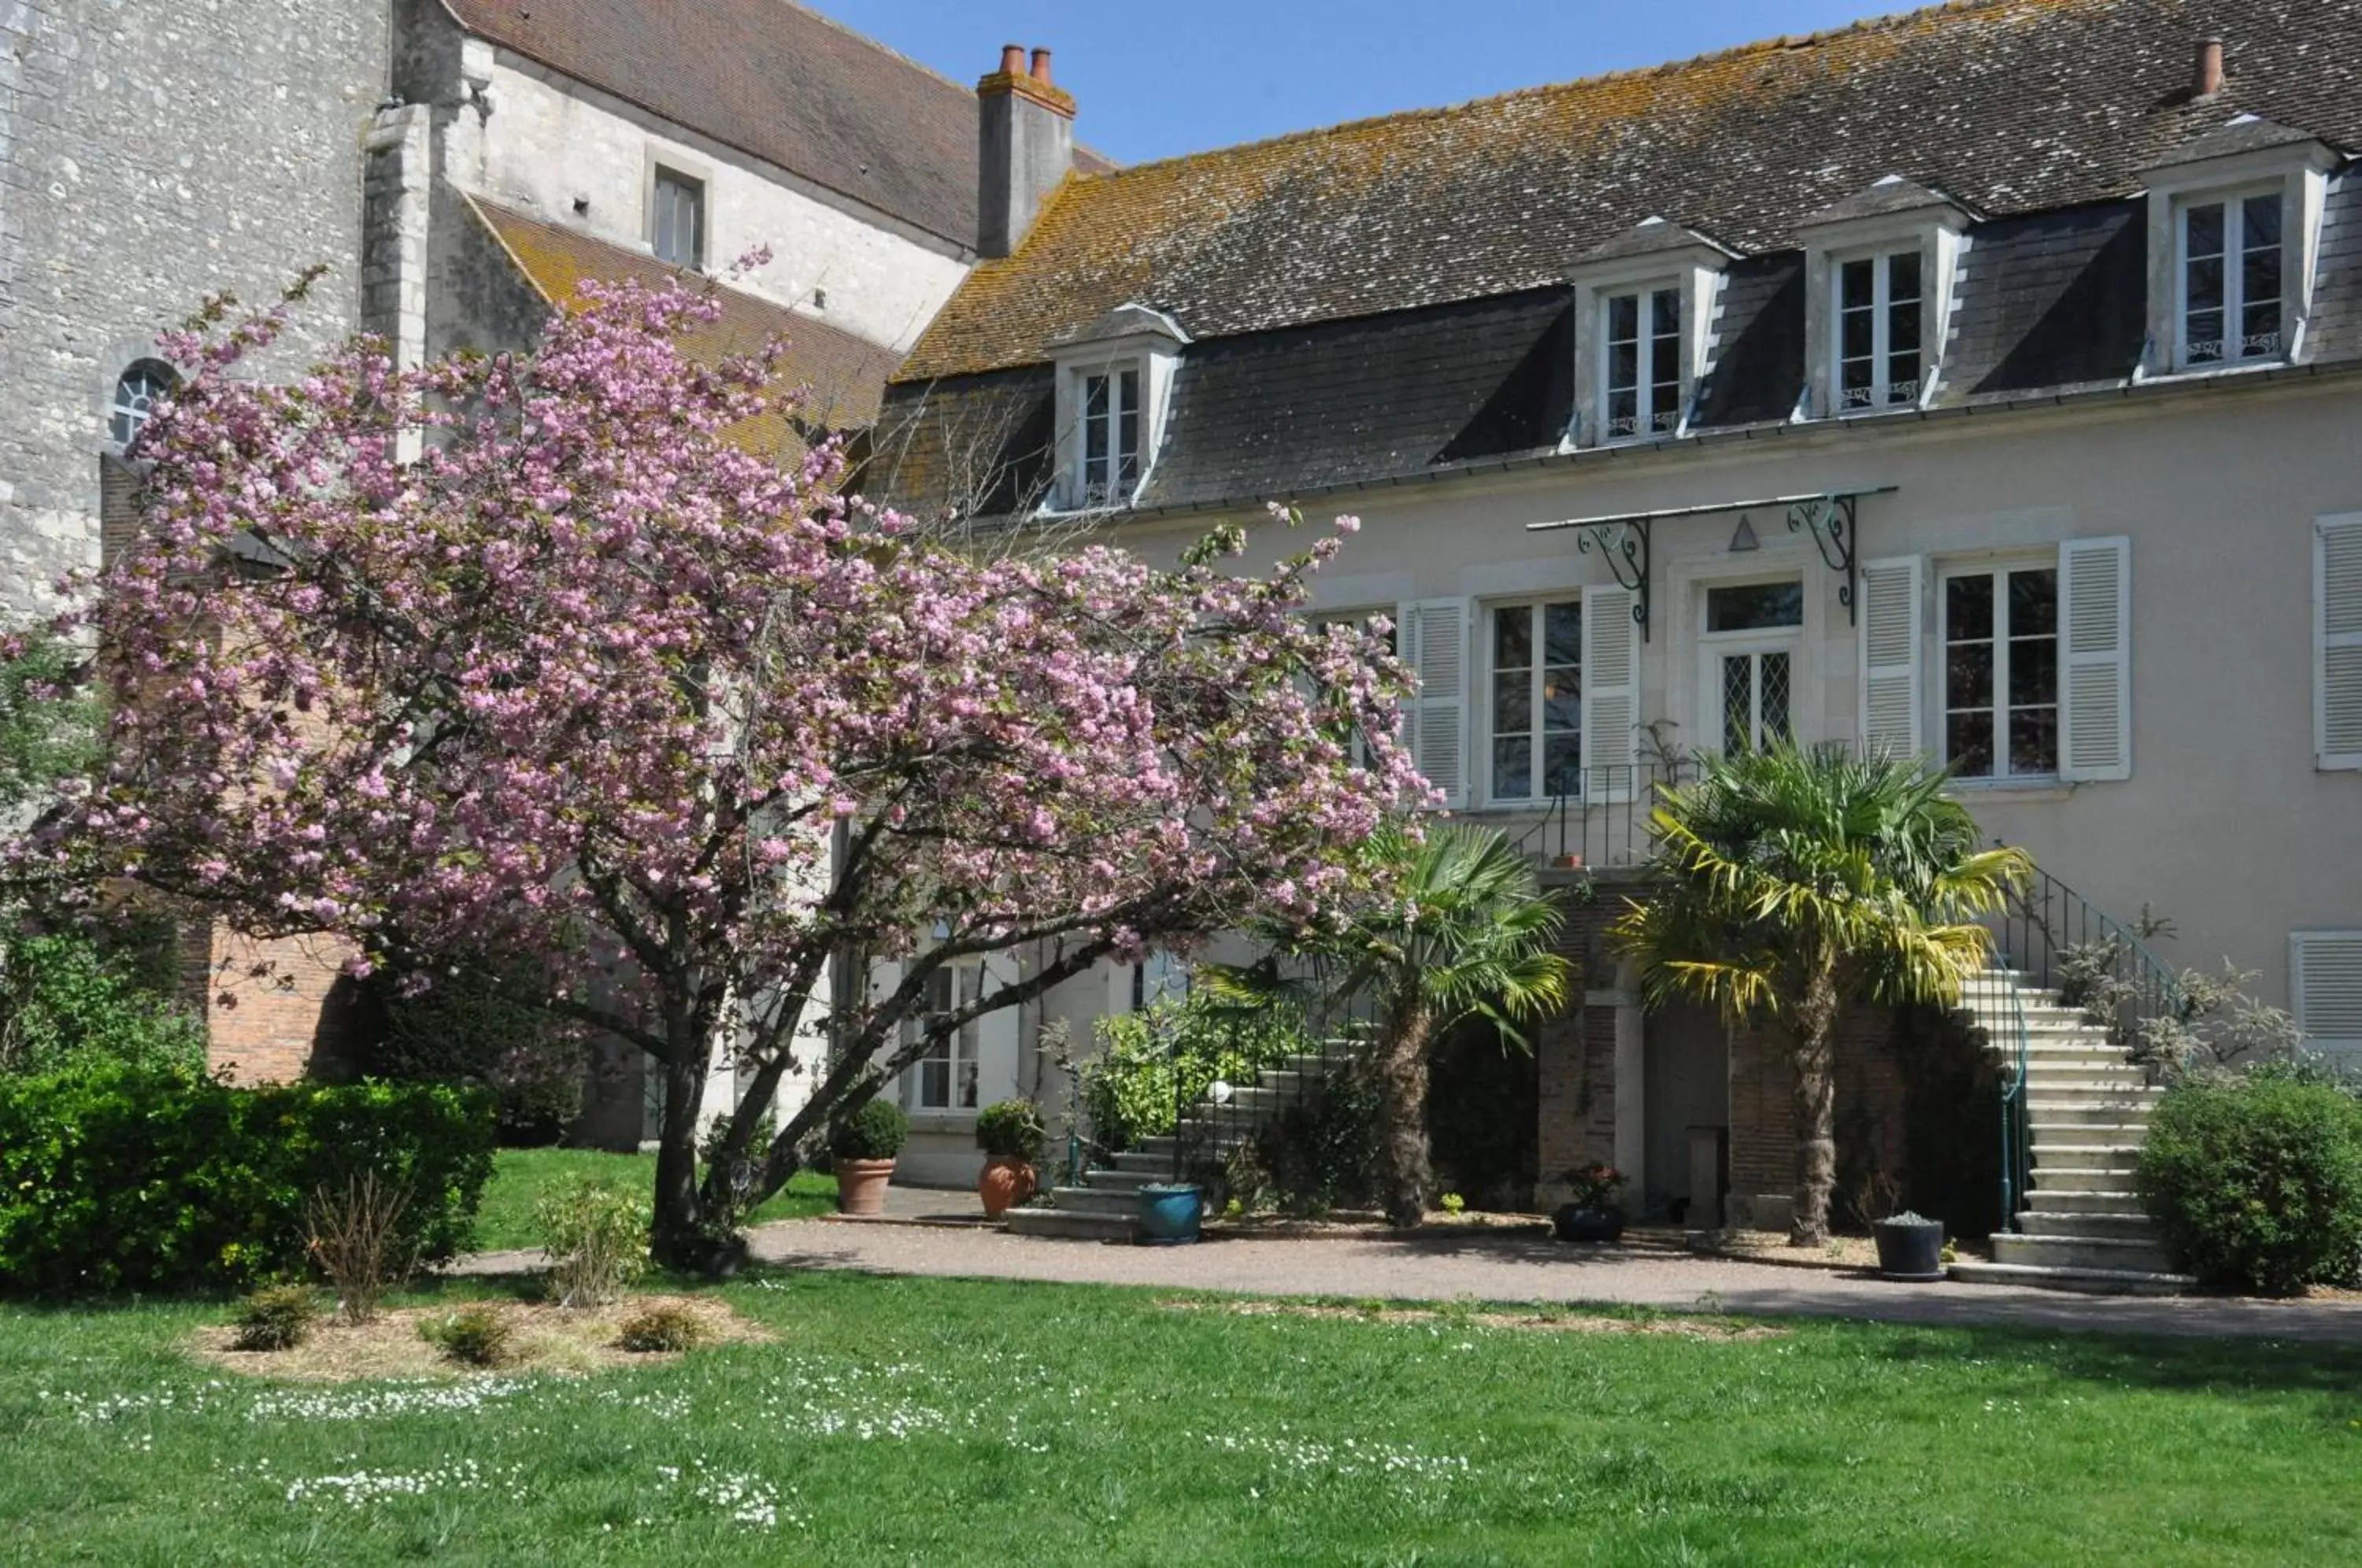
column 524, row 657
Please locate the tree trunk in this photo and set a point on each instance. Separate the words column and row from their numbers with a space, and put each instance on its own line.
column 1813, row 1058
column 677, row 1239
column 1402, row 1113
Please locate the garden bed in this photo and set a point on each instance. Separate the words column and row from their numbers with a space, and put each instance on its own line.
column 545, row 1337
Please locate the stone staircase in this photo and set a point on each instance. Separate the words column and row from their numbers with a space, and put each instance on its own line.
column 2088, row 1107
column 1102, row 1207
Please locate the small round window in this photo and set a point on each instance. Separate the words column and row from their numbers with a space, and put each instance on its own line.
column 134, row 398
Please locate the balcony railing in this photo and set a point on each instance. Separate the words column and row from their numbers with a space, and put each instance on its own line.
column 1607, row 826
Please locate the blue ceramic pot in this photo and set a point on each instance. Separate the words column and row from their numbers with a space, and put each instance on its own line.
column 1168, row 1214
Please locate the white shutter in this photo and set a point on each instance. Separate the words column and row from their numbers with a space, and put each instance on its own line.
column 1892, row 592
column 997, row 1050
column 1434, row 634
column 2095, row 680
column 2337, row 642
column 2325, row 980
column 1611, row 693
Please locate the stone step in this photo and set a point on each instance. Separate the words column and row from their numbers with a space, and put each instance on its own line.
column 1065, row 1225
column 2099, row 1063
column 1096, row 1200
column 1116, row 1179
column 2091, row 1281
column 1151, row 1162
column 2096, row 1109
column 2124, row 1256
column 2090, row 1177
column 2113, row 1132
column 2084, row 1200
column 2107, row 1225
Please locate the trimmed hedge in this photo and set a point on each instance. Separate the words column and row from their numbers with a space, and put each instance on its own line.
column 130, row 1178
column 2255, row 1181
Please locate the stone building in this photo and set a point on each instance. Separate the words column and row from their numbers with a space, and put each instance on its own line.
column 1972, row 384
column 459, row 165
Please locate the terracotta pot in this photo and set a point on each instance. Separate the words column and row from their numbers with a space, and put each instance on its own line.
column 1005, row 1183
column 861, row 1185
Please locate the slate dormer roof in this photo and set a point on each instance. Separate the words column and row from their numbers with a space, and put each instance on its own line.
column 1884, row 197
column 776, row 79
column 2011, row 105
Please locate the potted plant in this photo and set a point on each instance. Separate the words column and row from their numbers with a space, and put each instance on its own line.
column 864, row 1145
column 1010, row 1132
column 1909, row 1246
column 1591, row 1214
column 1169, row 1213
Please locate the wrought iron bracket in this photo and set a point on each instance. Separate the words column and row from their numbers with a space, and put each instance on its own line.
column 1624, row 546
column 1830, row 521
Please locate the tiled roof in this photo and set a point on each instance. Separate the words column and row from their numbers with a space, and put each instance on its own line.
column 2011, row 105
column 776, row 79
column 842, row 376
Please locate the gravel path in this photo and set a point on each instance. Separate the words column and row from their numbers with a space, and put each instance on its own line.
column 1519, row 1268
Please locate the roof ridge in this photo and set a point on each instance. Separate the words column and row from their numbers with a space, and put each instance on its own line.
column 1783, row 43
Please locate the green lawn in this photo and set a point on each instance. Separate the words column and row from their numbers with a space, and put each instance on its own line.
column 946, row 1422
column 521, row 1175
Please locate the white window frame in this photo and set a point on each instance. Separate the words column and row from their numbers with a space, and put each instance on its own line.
column 1114, row 493
column 1998, row 568
column 1646, row 414
column 1716, row 646
column 125, row 417
column 1487, row 609
column 700, row 188
column 963, row 980
column 1881, row 260
column 2233, row 200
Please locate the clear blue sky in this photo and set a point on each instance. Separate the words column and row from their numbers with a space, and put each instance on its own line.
column 1154, row 80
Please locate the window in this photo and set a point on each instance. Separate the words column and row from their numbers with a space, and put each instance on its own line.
column 677, row 227
column 1110, row 445
column 1877, row 331
column 945, row 1077
column 1359, row 620
column 1643, row 335
column 136, row 393
column 1752, row 660
column 2231, row 279
column 1160, row 977
column 2000, row 672
column 1537, row 700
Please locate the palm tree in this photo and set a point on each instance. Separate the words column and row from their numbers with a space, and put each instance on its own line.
column 1798, row 881
column 1466, row 933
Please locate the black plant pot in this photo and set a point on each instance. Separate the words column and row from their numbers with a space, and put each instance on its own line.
column 1588, row 1222
column 1911, row 1248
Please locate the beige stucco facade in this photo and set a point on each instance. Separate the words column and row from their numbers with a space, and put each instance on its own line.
column 2225, row 824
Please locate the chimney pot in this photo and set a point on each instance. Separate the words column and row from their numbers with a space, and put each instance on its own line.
column 2209, row 74
column 1012, row 59
column 1041, row 66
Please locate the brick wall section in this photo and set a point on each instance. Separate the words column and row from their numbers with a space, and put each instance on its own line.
column 276, row 1010
column 1576, row 1051
column 1869, row 1105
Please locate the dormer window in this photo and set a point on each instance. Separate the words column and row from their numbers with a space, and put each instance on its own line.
column 2231, row 287
column 1114, row 385
column 1643, row 391
column 1877, row 313
column 1110, row 443
column 1879, row 267
column 677, row 219
column 1640, row 302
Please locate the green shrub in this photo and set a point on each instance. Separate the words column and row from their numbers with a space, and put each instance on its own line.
column 69, row 1000
column 876, row 1131
column 596, row 1233
column 477, row 1336
column 2256, row 1180
column 1153, row 1061
column 278, row 1318
column 663, row 1329
column 132, row 1178
column 1011, row 1130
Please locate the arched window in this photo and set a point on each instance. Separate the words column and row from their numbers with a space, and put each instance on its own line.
column 135, row 392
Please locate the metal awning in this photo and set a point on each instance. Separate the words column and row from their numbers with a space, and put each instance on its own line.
column 1622, row 538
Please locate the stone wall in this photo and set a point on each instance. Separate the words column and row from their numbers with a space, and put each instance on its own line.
column 152, row 152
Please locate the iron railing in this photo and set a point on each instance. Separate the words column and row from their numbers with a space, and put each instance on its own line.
column 1227, row 1119
column 1607, row 825
column 2046, row 937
